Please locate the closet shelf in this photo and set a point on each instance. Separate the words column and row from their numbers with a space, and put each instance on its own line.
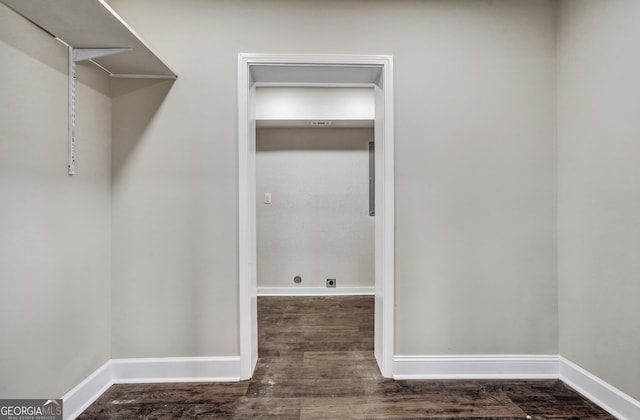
column 94, row 25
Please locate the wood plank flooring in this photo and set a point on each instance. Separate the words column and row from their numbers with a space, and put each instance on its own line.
column 316, row 362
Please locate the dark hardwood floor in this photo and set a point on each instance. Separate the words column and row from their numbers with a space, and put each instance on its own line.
column 316, row 362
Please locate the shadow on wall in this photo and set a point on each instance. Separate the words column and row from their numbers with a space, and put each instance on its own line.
column 19, row 33
column 135, row 104
column 269, row 140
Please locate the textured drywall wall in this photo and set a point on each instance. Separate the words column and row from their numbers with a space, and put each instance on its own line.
column 475, row 124
column 55, row 246
column 599, row 193
column 317, row 225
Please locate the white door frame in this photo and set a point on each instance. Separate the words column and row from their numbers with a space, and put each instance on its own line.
column 318, row 70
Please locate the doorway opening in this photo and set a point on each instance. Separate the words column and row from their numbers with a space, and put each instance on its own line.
column 317, row 71
column 315, row 230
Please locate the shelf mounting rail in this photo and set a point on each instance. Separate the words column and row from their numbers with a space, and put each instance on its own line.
column 78, row 55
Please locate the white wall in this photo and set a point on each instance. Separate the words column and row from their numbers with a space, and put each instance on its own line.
column 174, row 278
column 55, row 244
column 318, row 224
column 599, row 192
column 309, row 103
column 475, row 183
column 475, row 169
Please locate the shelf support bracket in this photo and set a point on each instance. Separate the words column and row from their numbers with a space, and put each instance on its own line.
column 77, row 55
column 84, row 54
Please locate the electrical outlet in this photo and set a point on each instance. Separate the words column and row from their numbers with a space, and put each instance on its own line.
column 331, row 282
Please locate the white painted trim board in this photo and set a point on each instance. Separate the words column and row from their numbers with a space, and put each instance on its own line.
column 598, row 391
column 382, row 67
column 315, row 291
column 476, row 367
column 86, row 392
column 149, row 370
column 593, row 388
column 228, row 369
column 176, row 369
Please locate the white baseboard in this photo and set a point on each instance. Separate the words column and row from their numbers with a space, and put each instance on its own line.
column 595, row 389
column 315, row 291
column 476, row 367
column 86, row 392
column 149, row 370
column 227, row 369
column 176, row 369
column 600, row 392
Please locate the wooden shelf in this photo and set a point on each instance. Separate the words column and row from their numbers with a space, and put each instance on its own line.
column 93, row 24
